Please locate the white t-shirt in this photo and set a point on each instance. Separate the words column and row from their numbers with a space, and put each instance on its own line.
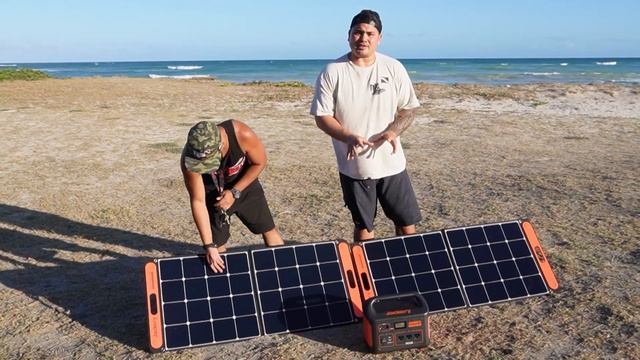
column 365, row 101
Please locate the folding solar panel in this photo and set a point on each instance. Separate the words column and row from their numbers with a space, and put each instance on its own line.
column 301, row 287
column 458, row 267
column 190, row 305
column 495, row 263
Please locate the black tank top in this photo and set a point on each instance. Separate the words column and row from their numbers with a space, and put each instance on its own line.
column 233, row 165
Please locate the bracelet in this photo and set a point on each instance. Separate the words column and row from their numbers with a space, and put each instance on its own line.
column 210, row 245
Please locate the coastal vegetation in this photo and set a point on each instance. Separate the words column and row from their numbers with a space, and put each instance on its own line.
column 22, row 74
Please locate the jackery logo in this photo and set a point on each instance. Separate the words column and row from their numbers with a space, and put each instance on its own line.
column 539, row 254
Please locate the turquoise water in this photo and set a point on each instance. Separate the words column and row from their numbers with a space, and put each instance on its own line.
column 445, row 71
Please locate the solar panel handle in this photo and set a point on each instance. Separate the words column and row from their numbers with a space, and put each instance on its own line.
column 365, row 281
column 351, row 279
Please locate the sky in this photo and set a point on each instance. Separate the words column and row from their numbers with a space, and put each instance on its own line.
column 137, row 30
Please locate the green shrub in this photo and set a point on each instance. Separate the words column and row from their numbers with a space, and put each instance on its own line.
column 22, row 74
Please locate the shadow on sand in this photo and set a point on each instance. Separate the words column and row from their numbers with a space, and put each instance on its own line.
column 104, row 296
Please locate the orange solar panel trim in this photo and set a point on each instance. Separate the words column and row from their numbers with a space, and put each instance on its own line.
column 366, row 286
column 156, row 339
column 355, row 296
column 539, row 256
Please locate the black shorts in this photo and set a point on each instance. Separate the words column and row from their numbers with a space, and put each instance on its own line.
column 394, row 192
column 252, row 209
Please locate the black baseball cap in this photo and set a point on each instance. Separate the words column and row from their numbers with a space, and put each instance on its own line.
column 367, row 17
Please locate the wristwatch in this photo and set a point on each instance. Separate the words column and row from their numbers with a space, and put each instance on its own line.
column 236, row 193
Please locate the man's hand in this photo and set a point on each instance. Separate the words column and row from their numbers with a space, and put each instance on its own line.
column 215, row 260
column 224, row 201
column 355, row 145
column 387, row 135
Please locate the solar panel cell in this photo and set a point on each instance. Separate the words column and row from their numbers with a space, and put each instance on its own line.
column 395, row 248
column 310, row 274
column 247, row 327
column 305, row 254
column 463, row 256
column 171, row 269
column 326, row 252
column 193, row 267
column 494, row 233
column 243, row 305
column 385, row 287
column 512, row 231
column 221, row 308
column 500, row 251
column 201, row 333
column 475, row 236
column 285, row 258
column 224, row 330
column 420, row 263
column 406, row 284
column 496, row 291
column 415, row 245
column 175, row 313
column 400, row 266
column 433, row 242
column 195, row 288
column 177, row 336
column 263, row 260
column 173, row 291
column 330, row 272
column 482, row 254
column 515, row 288
column 535, row 285
column 519, row 248
column 198, row 310
column 380, row 269
column 240, row 284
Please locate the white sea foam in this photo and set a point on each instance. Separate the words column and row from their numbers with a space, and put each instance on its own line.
column 156, row 76
column 542, row 73
column 504, row 64
column 606, row 63
column 564, row 64
column 8, row 65
column 184, row 67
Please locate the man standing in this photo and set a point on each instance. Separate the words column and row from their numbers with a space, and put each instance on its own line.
column 220, row 165
column 364, row 100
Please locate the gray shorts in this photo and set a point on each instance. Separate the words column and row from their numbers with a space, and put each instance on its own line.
column 394, row 192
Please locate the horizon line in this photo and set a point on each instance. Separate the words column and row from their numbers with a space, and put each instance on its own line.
column 317, row 59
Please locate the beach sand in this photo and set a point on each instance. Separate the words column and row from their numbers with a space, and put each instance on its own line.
column 91, row 190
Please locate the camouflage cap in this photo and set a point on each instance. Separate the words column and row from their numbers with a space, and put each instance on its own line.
column 201, row 152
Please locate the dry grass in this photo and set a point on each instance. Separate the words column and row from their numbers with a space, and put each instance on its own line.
column 91, row 189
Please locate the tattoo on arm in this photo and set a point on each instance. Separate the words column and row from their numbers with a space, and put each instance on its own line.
column 404, row 119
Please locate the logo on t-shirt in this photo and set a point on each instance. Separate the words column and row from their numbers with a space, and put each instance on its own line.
column 379, row 87
column 232, row 170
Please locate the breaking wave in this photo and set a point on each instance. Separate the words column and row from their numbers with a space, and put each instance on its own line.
column 184, row 67
column 156, row 76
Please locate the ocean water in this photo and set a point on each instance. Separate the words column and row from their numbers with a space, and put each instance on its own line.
column 443, row 71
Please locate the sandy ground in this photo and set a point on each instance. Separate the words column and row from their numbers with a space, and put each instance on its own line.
column 91, row 190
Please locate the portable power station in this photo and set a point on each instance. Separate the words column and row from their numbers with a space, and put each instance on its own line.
column 395, row 322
